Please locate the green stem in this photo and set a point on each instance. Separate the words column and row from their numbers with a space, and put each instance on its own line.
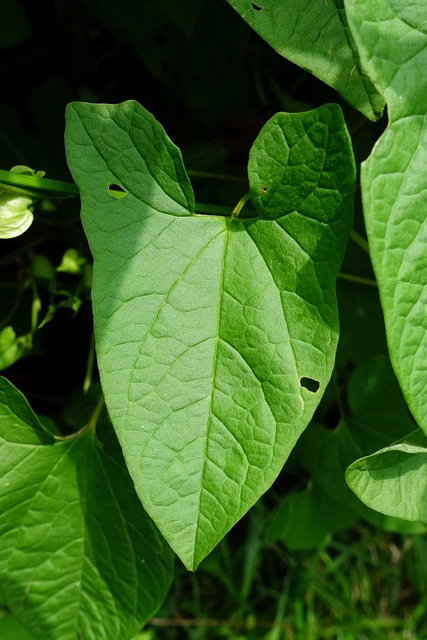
column 39, row 186
column 361, row 242
column 239, row 206
column 214, row 209
column 358, row 279
column 216, row 176
column 36, row 306
column 32, row 186
column 89, row 366
column 18, row 191
column 91, row 424
column 93, row 420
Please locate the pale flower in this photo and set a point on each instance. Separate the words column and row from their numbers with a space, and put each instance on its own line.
column 15, row 215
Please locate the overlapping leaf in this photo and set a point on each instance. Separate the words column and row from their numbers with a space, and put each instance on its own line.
column 393, row 49
column 394, row 480
column 377, row 416
column 315, row 35
column 392, row 39
column 210, row 329
column 78, row 555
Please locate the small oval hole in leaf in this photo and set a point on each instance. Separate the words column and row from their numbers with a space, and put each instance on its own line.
column 256, row 7
column 264, row 189
column 116, row 191
column 310, row 384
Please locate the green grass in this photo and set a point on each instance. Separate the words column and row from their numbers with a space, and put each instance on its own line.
column 361, row 585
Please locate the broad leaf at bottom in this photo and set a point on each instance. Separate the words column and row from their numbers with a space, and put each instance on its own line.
column 79, row 558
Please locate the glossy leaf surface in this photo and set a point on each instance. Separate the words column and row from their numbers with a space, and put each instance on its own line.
column 209, row 329
column 79, row 557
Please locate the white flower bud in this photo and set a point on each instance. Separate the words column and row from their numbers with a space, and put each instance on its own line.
column 15, row 216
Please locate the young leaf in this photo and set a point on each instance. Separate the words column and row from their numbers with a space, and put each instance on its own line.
column 210, row 329
column 315, row 35
column 78, row 555
column 394, row 480
column 393, row 49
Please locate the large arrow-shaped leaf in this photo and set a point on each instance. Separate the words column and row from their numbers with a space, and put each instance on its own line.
column 79, row 557
column 209, row 329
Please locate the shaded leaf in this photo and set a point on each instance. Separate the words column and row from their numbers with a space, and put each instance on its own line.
column 206, row 70
column 184, row 12
column 10, row 629
column 78, row 555
column 14, row 26
column 315, row 35
column 378, row 417
column 305, row 518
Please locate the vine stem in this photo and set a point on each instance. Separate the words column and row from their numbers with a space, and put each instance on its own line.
column 214, row 209
column 92, row 422
column 358, row 279
column 33, row 185
column 36, row 306
column 216, row 176
column 89, row 366
column 239, row 206
column 361, row 242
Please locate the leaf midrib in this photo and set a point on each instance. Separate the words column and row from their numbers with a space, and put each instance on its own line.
column 214, row 367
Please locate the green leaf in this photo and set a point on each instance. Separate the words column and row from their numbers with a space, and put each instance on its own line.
column 208, row 329
column 184, row 12
column 78, row 555
column 71, row 262
column 378, row 415
column 394, row 480
column 11, row 347
column 315, row 35
column 305, row 518
column 393, row 50
column 10, row 629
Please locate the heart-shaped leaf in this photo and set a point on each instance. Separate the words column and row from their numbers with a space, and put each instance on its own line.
column 215, row 336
